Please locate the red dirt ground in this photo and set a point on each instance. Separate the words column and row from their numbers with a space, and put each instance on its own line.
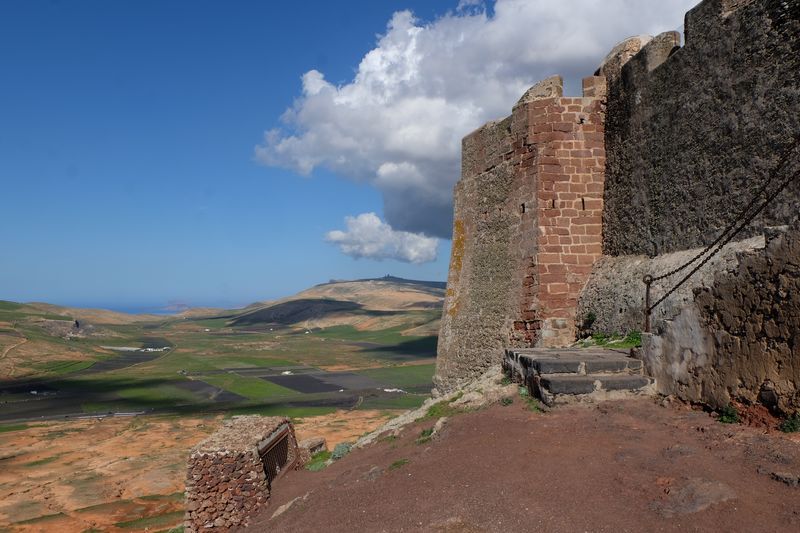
column 620, row 466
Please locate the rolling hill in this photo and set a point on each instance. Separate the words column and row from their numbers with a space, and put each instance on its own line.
column 366, row 304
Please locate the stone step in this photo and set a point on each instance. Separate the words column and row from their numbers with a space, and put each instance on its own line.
column 583, row 366
column 593, row 383
column 574, row 361
column 563, row 375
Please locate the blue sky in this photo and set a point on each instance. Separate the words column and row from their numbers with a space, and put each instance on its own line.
column 134, row 166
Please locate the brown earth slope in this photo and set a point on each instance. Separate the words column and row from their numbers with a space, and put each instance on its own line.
column 621, row 466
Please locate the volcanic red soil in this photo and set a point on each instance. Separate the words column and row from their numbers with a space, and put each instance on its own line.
column 619, row 466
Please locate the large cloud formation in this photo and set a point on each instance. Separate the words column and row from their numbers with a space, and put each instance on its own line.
column 368, row 236
column 398, row 124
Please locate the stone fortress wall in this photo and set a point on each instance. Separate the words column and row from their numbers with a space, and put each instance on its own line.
column 662, row 160
column 692, row 131
column 527, row 228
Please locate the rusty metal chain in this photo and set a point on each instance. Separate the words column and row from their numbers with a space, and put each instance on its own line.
column 739, row 223
column 784, row 158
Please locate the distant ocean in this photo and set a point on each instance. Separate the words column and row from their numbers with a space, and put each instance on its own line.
column 144, row 310
column 163, row 309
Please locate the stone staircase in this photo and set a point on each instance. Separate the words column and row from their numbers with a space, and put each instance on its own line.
column 563, row 375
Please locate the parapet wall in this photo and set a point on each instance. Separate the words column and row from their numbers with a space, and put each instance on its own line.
column 527, row 228
column 613, row 298
column 230, row 474
column 739, row 337
column 691, row 132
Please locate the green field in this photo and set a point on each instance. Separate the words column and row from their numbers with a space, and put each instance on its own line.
column 187, row 374
column 402, row 376
column 249, row 387
column 208, row 357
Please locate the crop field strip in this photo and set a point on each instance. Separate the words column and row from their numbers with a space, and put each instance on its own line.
column 209, row 364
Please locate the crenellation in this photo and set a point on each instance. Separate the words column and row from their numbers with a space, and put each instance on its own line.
column 689, row 141
column 657, row 51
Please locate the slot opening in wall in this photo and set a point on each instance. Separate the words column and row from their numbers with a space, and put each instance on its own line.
column 522, row 208
column 583, row 204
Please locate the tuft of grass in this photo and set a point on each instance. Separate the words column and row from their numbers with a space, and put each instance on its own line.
column 318, row 461
column 729, row 415
column 531, row 403
column 444, row 408
column 398, row 464
column 615, row 340
column 425, row 436
column 506, row 401
column 791, row 424
column 505, row 381
column 340, row 450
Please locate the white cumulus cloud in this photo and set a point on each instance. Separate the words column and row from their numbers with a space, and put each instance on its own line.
column 368, row 236
column 398, row 124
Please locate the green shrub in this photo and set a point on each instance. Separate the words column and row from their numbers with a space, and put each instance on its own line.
column 729, row 415
column 506, row 401
column 634, row 338
column 318, row 461
column 340, row 450
column 791, row 424
column 615, row 340
column 425, row 436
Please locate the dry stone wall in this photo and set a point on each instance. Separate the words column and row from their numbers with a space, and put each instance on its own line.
column 692, row 131
column 740, row 336
column 226, row 480
column 612, row 301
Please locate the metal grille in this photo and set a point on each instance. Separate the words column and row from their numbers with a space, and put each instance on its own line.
column 278, row 456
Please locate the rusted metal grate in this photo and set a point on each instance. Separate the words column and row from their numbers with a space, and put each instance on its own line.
column 278, row 455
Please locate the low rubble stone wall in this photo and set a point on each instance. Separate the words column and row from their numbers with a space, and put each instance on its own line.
column 228, row 480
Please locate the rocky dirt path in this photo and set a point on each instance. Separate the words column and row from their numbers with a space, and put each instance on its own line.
column 8, row 369
column 620, row 466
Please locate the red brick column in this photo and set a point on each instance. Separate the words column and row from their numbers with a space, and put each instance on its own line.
column 570, row 171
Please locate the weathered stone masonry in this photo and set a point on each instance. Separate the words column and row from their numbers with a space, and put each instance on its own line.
column 227, row 479
column 657, row 164
column 527, row 228
column 692, row 130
